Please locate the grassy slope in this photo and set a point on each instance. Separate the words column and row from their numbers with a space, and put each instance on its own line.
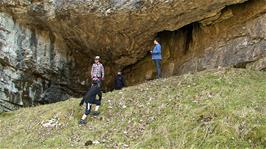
column 211, row 109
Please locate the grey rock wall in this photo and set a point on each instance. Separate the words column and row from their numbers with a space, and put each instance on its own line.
column 31, row 62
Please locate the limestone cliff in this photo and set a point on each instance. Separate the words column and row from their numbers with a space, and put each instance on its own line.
column 34, row 64
column 47, row 46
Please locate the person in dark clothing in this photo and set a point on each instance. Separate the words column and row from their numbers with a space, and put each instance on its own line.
column 90, row 98
column 119, row 81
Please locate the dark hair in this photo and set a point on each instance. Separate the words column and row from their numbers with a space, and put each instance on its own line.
column 157, row 39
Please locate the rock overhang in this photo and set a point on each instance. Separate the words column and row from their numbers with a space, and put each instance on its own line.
column 121, row 32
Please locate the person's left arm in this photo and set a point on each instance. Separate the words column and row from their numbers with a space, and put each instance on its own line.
column 102, row 72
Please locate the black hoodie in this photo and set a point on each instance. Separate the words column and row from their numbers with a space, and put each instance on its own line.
column 91, row 94
column 119, row 82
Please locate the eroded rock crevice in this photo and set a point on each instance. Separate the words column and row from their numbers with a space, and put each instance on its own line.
column 47, row 46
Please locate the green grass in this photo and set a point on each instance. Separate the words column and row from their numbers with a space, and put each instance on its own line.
column 211, row 109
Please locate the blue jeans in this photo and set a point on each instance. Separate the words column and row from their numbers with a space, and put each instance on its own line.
column 157, row 63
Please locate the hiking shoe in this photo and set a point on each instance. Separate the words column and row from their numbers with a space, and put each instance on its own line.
column 96, row 113
column 82, row 122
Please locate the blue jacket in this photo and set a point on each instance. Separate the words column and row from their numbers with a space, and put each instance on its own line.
column 156, row 52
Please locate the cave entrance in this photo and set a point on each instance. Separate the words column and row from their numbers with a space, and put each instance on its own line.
column 176, row 48
column 178, row 40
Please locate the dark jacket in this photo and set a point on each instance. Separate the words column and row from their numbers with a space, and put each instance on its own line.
column 90, row 96
column 119, row 82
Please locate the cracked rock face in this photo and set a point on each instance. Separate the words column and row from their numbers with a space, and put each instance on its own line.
column 118, row 30
column 32, row 61
column 47, row 46
column 235, row 38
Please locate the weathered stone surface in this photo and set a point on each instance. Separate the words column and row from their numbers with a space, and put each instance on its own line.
column 237, row 41
column 54, row 41
column 119, row 30
column 31, row 62
column 257, row 65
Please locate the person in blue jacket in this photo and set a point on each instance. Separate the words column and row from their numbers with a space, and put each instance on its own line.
column 157, row 56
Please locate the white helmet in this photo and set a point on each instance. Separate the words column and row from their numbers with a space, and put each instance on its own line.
column 97, row 57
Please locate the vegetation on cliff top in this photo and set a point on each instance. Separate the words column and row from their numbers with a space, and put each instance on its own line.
column 211, row 109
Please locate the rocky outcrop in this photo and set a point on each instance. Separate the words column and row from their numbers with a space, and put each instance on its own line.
column 34, row 65
column 119, row 30
column 236, row 38
column 54, row 41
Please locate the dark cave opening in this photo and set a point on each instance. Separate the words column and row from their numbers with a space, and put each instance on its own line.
column 185, row 32
column 176, row 46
